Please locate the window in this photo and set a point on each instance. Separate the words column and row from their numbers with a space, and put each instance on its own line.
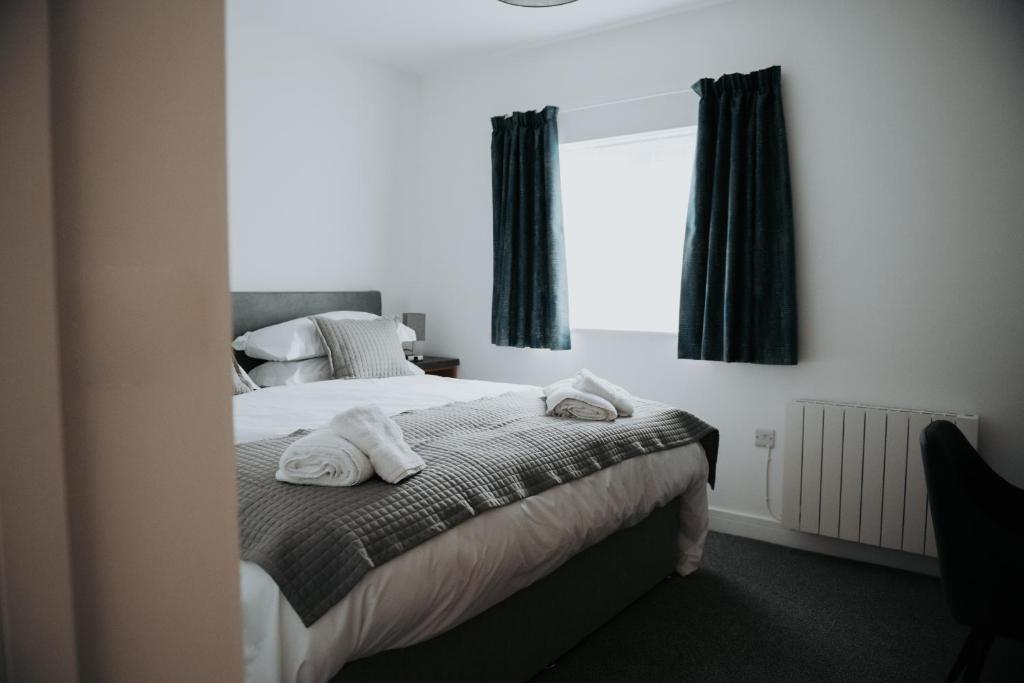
column 624, row 202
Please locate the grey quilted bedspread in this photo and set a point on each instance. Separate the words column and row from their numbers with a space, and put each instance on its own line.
column 318, row 542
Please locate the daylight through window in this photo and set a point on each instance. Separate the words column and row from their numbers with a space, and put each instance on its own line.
column 624, row 202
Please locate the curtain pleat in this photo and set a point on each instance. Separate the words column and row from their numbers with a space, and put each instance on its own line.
column 738, row 295
column 529, row 303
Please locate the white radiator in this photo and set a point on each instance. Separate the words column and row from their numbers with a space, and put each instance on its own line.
column 855, row 472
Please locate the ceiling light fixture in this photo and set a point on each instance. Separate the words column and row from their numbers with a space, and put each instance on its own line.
column 537, row 3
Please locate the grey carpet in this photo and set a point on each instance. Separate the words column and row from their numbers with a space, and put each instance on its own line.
column 761, row 612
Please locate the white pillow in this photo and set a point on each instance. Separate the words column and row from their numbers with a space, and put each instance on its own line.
column 280, row 373
column 298, row 339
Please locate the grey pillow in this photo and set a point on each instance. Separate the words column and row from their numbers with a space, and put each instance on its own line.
column 362, row 349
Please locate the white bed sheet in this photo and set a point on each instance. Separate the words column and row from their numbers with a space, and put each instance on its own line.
column 458, row 574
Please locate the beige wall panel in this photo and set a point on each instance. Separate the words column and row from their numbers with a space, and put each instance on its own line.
column 35, row 571
column 142, row 245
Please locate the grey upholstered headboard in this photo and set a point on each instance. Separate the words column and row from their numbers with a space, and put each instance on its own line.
column 253, row 310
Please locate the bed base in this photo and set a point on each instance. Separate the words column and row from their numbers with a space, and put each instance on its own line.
column 520, row 636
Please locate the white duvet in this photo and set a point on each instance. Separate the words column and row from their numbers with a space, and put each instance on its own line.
column 461, row 572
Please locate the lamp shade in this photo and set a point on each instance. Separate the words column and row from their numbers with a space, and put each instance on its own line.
column 537, row 3
column 418, row 323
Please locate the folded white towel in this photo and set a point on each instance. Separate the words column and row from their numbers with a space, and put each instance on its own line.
column 592, row 384
column 554, row 386
column 564, row 400
column 381, row 439
column 323, row 458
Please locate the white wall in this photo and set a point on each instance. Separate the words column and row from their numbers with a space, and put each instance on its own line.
column 907, row 158
column 314, row 147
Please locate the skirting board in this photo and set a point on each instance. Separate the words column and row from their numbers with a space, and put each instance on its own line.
column 767, row 529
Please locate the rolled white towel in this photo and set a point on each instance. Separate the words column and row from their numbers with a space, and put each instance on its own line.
column 381, row 439
column 592, row 384
column 322, row 458
column 564, row 400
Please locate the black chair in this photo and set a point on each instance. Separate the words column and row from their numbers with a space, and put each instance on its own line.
column 979, row 532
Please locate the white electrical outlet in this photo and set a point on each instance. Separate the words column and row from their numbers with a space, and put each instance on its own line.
column 764, row 438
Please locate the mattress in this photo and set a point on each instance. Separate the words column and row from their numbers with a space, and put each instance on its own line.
column 458, row 574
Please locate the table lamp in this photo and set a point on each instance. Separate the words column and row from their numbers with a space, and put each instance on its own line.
column 418, row 323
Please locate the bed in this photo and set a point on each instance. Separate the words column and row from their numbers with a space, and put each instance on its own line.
column 497, row 597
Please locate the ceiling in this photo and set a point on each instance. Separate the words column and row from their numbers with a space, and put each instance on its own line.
column 415, row 35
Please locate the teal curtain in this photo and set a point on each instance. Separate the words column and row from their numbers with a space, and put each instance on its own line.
column 529, row 302
column 738, row 300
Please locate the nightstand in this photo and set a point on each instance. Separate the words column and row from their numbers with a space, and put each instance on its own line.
column 439, row 365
